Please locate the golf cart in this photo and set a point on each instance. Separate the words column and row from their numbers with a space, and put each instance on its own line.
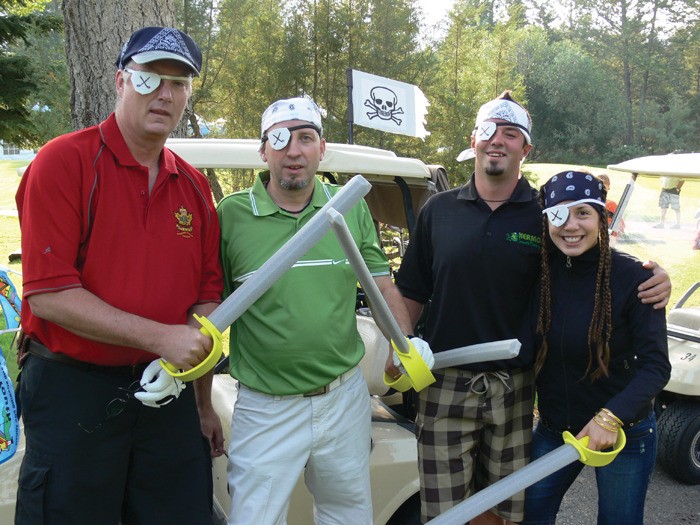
column 400, row 186
column 678, row 405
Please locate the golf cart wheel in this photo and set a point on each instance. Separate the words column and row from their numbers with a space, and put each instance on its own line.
column 679, row 441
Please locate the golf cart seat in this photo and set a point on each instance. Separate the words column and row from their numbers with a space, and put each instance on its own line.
column 376, row 352
column 688, row 318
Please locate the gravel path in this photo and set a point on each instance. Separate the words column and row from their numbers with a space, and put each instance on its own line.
column 668, row 501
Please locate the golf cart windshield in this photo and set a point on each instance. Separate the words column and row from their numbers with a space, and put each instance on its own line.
column 685, row 165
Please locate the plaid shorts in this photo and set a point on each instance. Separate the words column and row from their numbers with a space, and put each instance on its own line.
column 473, row 428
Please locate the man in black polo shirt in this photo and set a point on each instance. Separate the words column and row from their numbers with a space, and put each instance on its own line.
column 475, row 255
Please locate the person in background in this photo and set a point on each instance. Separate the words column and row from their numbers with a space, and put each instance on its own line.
column 603, row 355
column 120, row 242
column 670, row 198
column 303, row 404
column 475, row 258
column 611, row 207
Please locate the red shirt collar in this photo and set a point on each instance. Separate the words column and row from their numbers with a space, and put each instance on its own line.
column 114, row 140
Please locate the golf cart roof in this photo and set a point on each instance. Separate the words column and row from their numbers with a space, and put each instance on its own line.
column 685, row 165
column 400, row 185
column 339, row 158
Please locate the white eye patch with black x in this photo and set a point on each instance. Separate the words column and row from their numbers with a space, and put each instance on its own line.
column 557, row 215
column 279, row 138
column 146, row 82
column 485, row 130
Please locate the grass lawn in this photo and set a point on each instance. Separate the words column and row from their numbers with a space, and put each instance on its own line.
column 9, row 238
column 9, row 225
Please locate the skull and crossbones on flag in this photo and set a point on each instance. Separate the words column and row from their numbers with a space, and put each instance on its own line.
column 385, row 104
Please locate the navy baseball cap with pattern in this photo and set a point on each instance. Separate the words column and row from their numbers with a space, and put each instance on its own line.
column 160, row 43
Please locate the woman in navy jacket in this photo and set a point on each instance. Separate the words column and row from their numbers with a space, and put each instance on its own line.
column 603, row 355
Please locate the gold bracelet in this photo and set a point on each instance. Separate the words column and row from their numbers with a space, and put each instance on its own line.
column 604, row 426
column 607, row 420
column 612, row 427
column 609, row 413
column 600, row 416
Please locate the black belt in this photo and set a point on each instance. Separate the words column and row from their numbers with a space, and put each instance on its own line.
column 37, row 349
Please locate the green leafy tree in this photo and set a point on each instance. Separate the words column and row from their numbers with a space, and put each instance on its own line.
column 245, row 55
column 683, row 56
column 669, row 129
column 577, row 110
column 50, row 101
column 19, row 19
column 305, row 47
column 606, row 75
column 477, row 62
column 629, row 37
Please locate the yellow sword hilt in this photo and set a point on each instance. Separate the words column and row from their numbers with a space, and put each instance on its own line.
column 595, row 458
column 417, row 375
column 208, row 363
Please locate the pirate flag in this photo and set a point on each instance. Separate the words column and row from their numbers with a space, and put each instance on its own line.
column 388, row 105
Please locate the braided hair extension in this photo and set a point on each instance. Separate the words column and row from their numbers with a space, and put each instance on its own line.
column 601, row 322
column 544, row 316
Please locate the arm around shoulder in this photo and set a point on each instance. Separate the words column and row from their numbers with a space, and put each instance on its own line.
column 657, row 289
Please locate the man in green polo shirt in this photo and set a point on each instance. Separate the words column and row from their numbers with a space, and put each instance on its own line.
column 302, row 402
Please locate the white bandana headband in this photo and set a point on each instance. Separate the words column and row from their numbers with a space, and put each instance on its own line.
column 514, row 115
column 291, row 109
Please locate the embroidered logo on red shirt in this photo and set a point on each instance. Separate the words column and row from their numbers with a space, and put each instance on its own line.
column 184, row 222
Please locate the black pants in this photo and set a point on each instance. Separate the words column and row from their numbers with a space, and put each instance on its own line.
column 96, row 455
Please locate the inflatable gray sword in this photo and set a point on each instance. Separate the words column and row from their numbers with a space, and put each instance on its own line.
column 503, row 489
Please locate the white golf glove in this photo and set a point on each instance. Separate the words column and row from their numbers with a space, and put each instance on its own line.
column 160, row 388
column 423, row 349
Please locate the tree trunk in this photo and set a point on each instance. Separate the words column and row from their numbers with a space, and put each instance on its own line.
column 627, row 73
column 94, row 33
column 651, row 45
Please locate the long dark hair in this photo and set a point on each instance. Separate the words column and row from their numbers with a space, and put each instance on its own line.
column 601, row 323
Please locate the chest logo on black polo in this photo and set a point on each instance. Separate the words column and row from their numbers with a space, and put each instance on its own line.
column 524, row 238
column 184, row 222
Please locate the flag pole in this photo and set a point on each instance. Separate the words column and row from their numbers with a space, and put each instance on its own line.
column 348, row 72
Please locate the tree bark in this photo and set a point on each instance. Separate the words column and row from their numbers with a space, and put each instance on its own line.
column 94, row 33
column 651, row 45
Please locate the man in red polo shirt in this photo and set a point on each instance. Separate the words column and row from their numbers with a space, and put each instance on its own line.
column 120, row 242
